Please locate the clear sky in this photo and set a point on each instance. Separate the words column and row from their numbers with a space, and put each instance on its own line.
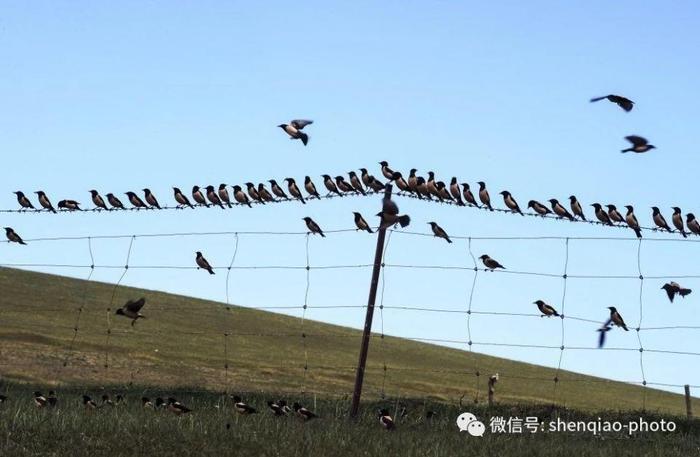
column 121, row 96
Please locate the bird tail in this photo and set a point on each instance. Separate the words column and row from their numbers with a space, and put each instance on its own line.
column 583, row 217
column 683, row 233
column 404, row 220
column 304, row 138
column 625, row 328
column 627, row 150
column 321, row 233
column 211, row 271
column 370, row 231
column 448, row 239
column 22, row 242
column 53, row 210
column 597, row 99
column 637, row 232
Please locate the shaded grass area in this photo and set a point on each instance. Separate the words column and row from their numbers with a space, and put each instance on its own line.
column 191, row 342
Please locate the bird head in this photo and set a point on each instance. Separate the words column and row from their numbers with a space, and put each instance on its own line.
column 383, row 412
column 651, row 146
column 538, row 302
column 629, row 207
column 676, row 209
column 289, row 180
column 482, row 257
column 413, row 171
column 339, row 178
column 237, row 188
column 596, row 206
column 86, row 398
column 223, row 186
column 553, row 201
column 384, row 163
column 364, row 171
column 296, row 406
column 611, row 207
column 655, row 209
column 481, row 183
column 147, row 190
column 198, row 253
column 465, row 185
column 572, row 198
column 272, row 181
column 326, row 177
column 356, row 214
column 120, row 312
column 690, row 216
column 37, row 394
column 453, row 180
column 612, row 308
column 505, row 193
column 667, row 286
column 92, row 191
column 351, row 174
column 431, row 175
column 249, row 184
column 18, row 192
column 210, row 188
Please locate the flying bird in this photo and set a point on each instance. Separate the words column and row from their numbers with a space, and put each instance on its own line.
column 511, row 203
column 23, row 200
column 439, row 232
column 97, row 200
column 614, row 214
column 313, row 226
column 490, row 263
column 136, row 201
column 277, row 190
column 241, row 196
column 294, row 189
column 203, row 264
column 545, row 309
column 224, row 196
column 539, row 208
column 559, row 210
column 386, row 171
column 242, row 407
column 330, row 185
column 213, row 197
column 45, row 202
column 294, row 130
column 677, row 220
column 484, row 195
column 132, row 310
column 390, row 214
column 13, row 236
column 181, row 199
column 199, row 196
column 659, row 219
column 632, row 221
column 639, row 144
column 310, row 187
column 576, row 207
column 601, row 214
column 385, row 420
column 623, row 102
column 361, row 223
column 692, row 223
column 114, row 201
column 673, row 288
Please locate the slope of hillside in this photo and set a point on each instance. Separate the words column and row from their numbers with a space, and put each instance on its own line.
column 182, row 343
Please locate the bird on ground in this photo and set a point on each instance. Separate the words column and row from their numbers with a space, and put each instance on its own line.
column 97, row 200
column 614, row 214
column 659, row 219
column 69, row 205
column 23, row 200
column 106, row 401
column 119, row 399
column 313, row 226
column 468, row 195
column 343, row 185
column 241, row 196
column 456, row 192
column 265, row 194
column 303, row 413
column 490, row 263
column 361, row 223
column 52, row 399
column 386, row 171
column 223, row 195
column 357, row 184
column 146, row 403
column 692, row 223
column 39, row 400
column 484, row 195
column 213, row 197
column 3, row 399
column 673, row 288
column 176, row 407
column 439, row 232
column 401, row 183
column 131, row 309
column 538, row 207
column 89, row 403
column 253, row 192
column 275, row 408
column 330, row 185
column 616, row 318
column 199, row 196
column 285, row 408
column 390, row 214
column 136, row 201
column 623, row 102
column 114, row 201
column 632, row 221
column 45, row 202
column 203, row 263
column 559, row 210
column 385, row 419
column 511, row 203
column 376, row 185
column 277, row 190
column 576, row 207
column 677, row 220
column 13, row 236
column 294, row 129
column 150, row 198
column 601, row 214
column 241, row 407
column 160, row 403
column 181, row 199
column 545, row 309
column 294, row 189
column 310, row 187
column 639, row 144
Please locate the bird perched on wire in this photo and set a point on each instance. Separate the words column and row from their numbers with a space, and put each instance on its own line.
column 616, row 318
column 386, row 420
column 132, row 310
column 468, row 195
column 401, row 183
column 313, row 226
column 673, row 288
column 213, row 197
column 203, row 263
column 490, row 263
column 632, row 221
column 614, row 214
column 422, row 188
column 294, row 189
column 114, row 201
column 343, row 185
column 176, row 407
column 559, row 210
column 241, row 407
column 376, row 185
column 136, row 201
column 275, row 408
column 439, row 232
column 484, row 195
column 198, row 196
column 442, row 193
column 294, row 129
column 677, row 220
column 601, row 214
column 13, row 236
column 390, row 214
column 386, row 171
column 639, row 144
column 545, row 309
column 365, row 176
column 303, row 413
column 265, row 194
column 277, row 190
column 97, row 200
column 150, row 198
column 539, row 208
column 241, row 196
column 431, row 185
column 330, row 185
column 576, row 207
column 23, row 200
column 310, row 187
column 456, row 192
column 356, row 183
column 623, row 102
column 253, row 192
column 659, row 219
column 692, row 223
column 361, row 223
column 511, row 203
column 45, row 202
column 412, row 180
column 69, row 205
column 181, row 199
column 224, row 196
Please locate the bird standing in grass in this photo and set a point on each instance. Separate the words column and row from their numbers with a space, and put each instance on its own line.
column 275, row 408
column 106, row 401
column 3, row 399
column 203, row 264
column 150, row 198
column 241, row 407
column 386, row 420
column 659, row 219
column 294, row 189
column 313, row 226
column 576, row 207
column 39, row 400
column 545, row 309
column 361, row 223
column 511, row 203
column 23, row 200
column 146, row 403
column 303, row 413
column 490, row 263
column 673, row 288
column 623, row 102
column 176, row 407
column 45, row 202
column 89, row 403
column 285, row 408
column 294, row 130
column 131, row 309
column 439, row 232
column 136, row 201
column 224, row 196
column 639, row 144
column 13, row 236
column 199, row 196
column 114, row 201
column 52, row 399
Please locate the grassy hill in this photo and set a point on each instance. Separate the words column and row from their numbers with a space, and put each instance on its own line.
column 182, row 344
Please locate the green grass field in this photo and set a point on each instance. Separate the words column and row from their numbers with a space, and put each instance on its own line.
column 180, row 349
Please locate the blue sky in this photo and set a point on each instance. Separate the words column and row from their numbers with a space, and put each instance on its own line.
column 156, row 94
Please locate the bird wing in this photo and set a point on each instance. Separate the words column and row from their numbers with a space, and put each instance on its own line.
column 301, row 123
column 624, row 103
column 135, row 305
column 670, row 292
column 636, row 140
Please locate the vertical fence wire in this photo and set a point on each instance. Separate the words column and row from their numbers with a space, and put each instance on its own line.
column 469, row 320
column 111, row 303
column 639, row 324
column 382, row 349
column 227, row 320
column 303, row 317
column 564, row 277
